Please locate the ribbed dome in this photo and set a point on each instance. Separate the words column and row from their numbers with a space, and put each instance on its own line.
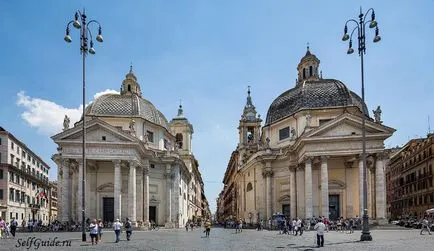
column 321, row 93
column 126, row 106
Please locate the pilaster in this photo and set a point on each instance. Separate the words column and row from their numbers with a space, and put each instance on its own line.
column 293, row 189
column 324, row 187
column 117, row 189
column 132, row 192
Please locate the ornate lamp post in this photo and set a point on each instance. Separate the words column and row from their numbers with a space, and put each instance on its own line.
column 85, row 34
column 360, row 27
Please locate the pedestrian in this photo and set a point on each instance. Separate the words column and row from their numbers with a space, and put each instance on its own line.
column 93, row 226
column 2, row 227
column 117, row 227
column 299, row 226
column 14, row 225
column 128, row 229
column 425, row 225
column 100, row 227
column 294, row 227
column 186, row 226
column 207, row 228
column 351, row 226
column 320, row 227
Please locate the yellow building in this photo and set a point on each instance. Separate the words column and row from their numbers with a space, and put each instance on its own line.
column 305, row 161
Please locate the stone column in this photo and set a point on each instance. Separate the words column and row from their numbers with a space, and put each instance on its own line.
column 80, row 190
column 168, row 196
column 146, row 193
column 380, row 187
column 292, row 192
column 66, row 190
column 132, row 192
column 360, row 186
column 308, row 187
column 349, row 189
column 117, row 190
column 324, row 187
column 267, row 173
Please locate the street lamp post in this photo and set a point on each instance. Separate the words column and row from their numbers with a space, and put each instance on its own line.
column 85, row 34
column 360, row 26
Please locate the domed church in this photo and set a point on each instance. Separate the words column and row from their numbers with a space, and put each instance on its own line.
column 138, row 165
column 305, row 161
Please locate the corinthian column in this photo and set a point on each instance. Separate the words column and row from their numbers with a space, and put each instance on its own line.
column 66, row 191
column 324, row 187
column 168, row 195
column 80, row 189
column 308, row 188
column 132, row 192
column 146, row 193
column 117, row 189
column 360, row 186
column 379, row 185
column 293, row 192
column 267, row 173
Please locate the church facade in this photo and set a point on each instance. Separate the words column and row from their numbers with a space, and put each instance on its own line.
column 138, row 165
column 305, row 161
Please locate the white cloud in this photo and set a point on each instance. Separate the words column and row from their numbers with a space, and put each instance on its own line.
column 47, row 116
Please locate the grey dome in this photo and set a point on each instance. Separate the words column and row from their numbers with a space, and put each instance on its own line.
column 321, row 93
column 124, row 105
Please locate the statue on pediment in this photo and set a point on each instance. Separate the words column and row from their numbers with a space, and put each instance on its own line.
column 377, row 115
column 132, row 127
column 66, row 122
column 308, row 120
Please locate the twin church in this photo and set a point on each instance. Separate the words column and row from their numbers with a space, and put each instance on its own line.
column 305, row 161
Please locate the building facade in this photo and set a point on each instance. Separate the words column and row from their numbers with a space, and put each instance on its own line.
column 138, row 165
column 305, row 161
column 24, row 183
column 53, row 201
column 410, row 177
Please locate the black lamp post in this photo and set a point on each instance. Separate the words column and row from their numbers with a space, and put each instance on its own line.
column 360, row 26
column 84, row 34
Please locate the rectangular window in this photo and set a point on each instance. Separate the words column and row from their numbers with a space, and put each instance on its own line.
column 17, row 195
column 150, row 136
column 1, row 194
column 12, row 159
column 11, row 194
column 1, row 174
column 12, row 145
column 284, row 133
column 0, row 141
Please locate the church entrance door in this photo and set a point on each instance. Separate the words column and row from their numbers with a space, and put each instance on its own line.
column 108, row 209
column 334, row 207
column 153, row 214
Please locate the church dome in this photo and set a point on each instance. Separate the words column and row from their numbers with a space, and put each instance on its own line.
column 129, row 103
column 312, row 91
column 322, row 93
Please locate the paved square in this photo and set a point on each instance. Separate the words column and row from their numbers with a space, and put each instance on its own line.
column 226, row 239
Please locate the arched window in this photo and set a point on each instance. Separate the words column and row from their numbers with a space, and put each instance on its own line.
column 310, row 71
column 304, row 73
column 179, row 140
column 249, row 187
column 129, row 88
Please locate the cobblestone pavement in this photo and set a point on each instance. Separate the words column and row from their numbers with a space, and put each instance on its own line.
column 226, row 239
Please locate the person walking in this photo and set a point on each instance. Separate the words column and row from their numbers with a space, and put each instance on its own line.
column 128, row 229
column 93, row 226
column 100, row 227
column 425, row 225
column 320, row 227
column 14, row 225
column 207, row 228
column 117, row 227
column 2, row 227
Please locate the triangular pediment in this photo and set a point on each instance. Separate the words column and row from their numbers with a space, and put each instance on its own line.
column 348, row 125
column 96, row 131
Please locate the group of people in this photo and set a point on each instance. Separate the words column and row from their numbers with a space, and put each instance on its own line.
column 7, row 229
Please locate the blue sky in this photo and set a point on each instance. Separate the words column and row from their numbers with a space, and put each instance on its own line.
column 207, row 53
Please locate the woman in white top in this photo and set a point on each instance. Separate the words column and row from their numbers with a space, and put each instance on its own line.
column 94, row 232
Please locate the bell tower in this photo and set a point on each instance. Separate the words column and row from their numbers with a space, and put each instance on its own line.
column 250, row 124
column 130, row 85
column 183, row 131
column 308, row 67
